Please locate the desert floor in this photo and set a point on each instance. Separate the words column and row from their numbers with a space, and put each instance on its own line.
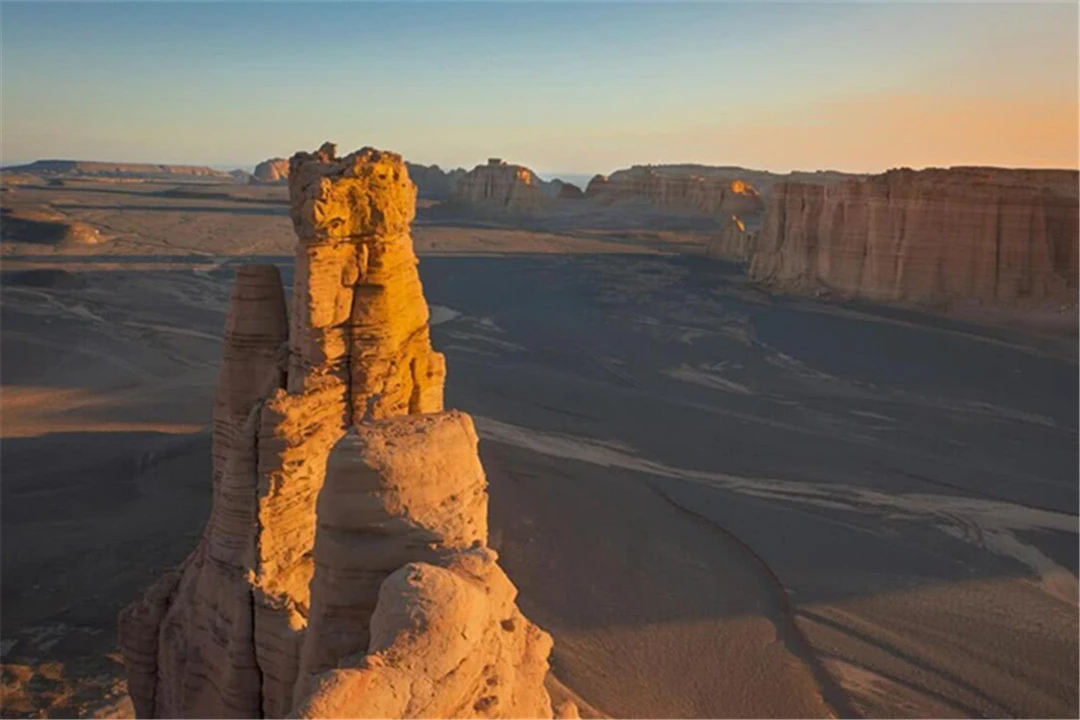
column 721, row 503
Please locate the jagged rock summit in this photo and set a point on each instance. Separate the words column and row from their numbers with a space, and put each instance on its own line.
column 344, row 570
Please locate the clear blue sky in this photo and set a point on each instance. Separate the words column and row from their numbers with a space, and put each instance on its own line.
column 560, row 87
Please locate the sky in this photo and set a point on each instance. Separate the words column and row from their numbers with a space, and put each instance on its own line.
column 561, row 87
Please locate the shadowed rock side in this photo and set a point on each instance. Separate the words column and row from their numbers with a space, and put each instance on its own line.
column 344, row 569
column 735, row 241
column 568, row 191
column 501, row 186
column 432, row 182
column 988, row 234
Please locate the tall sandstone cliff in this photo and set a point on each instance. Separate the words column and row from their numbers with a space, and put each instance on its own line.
column 987, row 234
column 344, row 570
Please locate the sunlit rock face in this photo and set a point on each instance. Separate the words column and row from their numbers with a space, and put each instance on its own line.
column 274, row 170
column 675, row 190
column 986, row 234
column 344, row 571
column 502, row 186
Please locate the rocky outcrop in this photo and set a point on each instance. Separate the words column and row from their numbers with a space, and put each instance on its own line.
column 987, row 234
column 676, row 191
column 274, row 170
column 344, row 570
column 735, row 241
column 570, row 191
column 501, row 186
column 432, row 182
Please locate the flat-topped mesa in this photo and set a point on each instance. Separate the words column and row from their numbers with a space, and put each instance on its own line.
column 674, row 190
column 344, row 569
column 993, row 235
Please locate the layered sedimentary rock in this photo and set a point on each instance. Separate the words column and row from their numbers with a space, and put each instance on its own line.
column 735, row 241
column 274, row 170
column 630, row 184
column 987, row 234
column 499, row 185
column 677, row 191
column 344, row 569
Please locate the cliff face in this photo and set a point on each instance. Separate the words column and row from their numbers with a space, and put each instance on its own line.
column 344, row 571
column 677, row 191
column 501, row 186
column 735, row 241
column 989, row 234
column 274, row 170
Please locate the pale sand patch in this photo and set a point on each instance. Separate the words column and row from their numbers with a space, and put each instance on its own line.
column 708, row 376
column 872, row 415
column 440, row 314
column 34, row 411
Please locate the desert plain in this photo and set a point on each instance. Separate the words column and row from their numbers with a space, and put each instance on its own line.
column 720, row 500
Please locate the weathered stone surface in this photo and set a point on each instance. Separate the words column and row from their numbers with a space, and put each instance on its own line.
column 274, row 170
column 188, row 642
column 349, row 521
column 677, row 191
column 987, row 234
column 397, row 491
column 501, row 186
column 446, row 641
column 570, row 191
column 735, row 241
column 434, row 183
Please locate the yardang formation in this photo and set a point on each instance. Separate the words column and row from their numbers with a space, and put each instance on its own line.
column 344, row 571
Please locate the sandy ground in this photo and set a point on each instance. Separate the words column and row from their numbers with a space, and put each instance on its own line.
column 720, row 503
